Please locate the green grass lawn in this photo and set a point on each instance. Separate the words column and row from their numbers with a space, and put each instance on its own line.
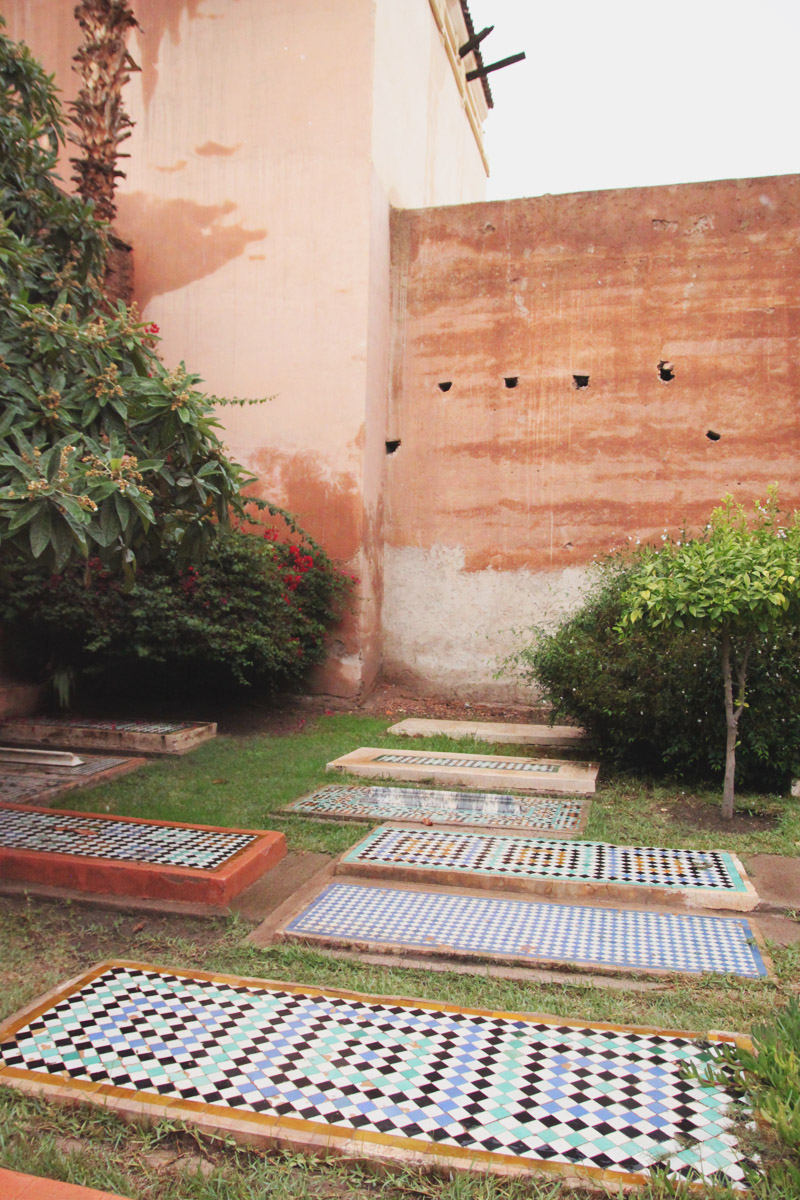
column 243, row 781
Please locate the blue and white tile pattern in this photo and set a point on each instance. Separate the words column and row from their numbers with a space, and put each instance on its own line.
column 534, row 932
column 500, row 1085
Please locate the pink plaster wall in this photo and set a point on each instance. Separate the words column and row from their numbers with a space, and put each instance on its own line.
column 267, row 143
column 499, row 498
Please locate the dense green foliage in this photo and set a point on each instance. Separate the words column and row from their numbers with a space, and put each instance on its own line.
column 254, row 611
column 738, row 581
column 103, row 451
column 653, row 700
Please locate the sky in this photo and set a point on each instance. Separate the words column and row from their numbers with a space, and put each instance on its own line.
column 629, row 93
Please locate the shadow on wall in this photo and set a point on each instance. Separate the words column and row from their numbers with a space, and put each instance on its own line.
column 164, row 262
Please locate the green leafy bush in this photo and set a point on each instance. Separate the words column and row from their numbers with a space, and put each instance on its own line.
column 654, row 699
column 103, row 450
column 254, row 612
column 768, row 1079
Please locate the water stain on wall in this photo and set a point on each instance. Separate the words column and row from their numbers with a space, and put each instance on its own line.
column 326, row 502
column 157, row 19
column 215, row 149
column 169, row 261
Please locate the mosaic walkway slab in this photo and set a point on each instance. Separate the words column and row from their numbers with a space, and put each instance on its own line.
column 470, row 770
column 528, row 932
column 362, row 802
column 18, row 783
column 713, row 879
column 394, row 1079
column 497, row 732
column 126, row 856
column 149, row 737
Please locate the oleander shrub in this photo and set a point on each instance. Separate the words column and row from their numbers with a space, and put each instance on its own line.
column 253, row 613
column 653, row 700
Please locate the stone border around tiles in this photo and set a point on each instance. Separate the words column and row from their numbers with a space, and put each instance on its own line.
column 637, row 893
column 275, row 929
column 497, row 732
column 584, row 802
column 62, row 784
column 139, row 880
column 296, row 1134
column 501, row 770
column 37, row 731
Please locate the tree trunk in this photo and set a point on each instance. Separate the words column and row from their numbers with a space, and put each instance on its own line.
column 730, row 720
column 733, row 712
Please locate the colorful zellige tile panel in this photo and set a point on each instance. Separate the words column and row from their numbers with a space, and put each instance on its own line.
column 480, row 1087
column 508, row 856
column 451, row 808
column 123, row 841
column 536, row 932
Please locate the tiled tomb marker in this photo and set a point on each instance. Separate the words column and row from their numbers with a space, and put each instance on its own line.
column 398, row 1080
column 496, row 732
column 471, row 770
column 18, row 782
column 85, row 733
column 362, row 802
column 706, row 879
column 526, row 932
column 126, row 856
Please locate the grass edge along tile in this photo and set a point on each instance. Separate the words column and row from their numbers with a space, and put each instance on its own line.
column 136, row 878
column 494, row 732
column 376, row 858
column 471, row 770
column 351, row 802
column 175, row 737
column 346, row 1140
column 476, row 927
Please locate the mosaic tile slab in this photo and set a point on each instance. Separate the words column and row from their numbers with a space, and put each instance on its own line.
column 713, row 878
column 385, row 1077
column 532, row 932
column 20, row 783
column 128, row 856
column 149, row 737
column 471, row 770
column 497, row 732
column 357, row 802
column 127, row 841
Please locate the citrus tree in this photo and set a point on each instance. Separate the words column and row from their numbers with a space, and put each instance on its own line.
column 738, row 579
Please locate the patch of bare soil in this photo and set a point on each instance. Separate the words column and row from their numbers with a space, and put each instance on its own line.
column 290, row 714
column 691, row 811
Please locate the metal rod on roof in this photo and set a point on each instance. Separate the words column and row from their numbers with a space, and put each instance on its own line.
column 482, row 72
column 474, row 41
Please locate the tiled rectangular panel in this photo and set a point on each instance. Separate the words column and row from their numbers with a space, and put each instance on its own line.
column 529, row 932
column 710, row 878
column 125, row 856
column 148, row 737
column 388, row 1078
column 496, row 732
column 471, row 770
column 29, row 783
column 363, row 802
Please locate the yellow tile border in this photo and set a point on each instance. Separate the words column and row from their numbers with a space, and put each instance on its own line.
column 294, row 1132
